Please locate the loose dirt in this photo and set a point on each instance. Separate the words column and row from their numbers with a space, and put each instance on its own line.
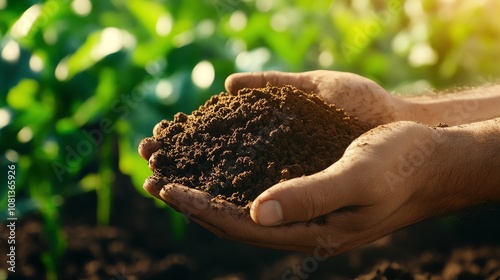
column 236, row 146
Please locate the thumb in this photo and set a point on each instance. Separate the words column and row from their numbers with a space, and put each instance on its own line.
column 301, row 199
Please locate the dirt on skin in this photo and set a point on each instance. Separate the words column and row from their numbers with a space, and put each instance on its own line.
column 236, row 146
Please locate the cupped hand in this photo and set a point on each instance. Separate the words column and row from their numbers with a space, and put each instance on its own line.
column 380, row 185
column 359, row 96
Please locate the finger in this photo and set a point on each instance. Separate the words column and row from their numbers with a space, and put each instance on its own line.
column 154, row 184
column 268, row 243
column 238, row 81
column 233, row 223
column 302, row 199
column 147, row 147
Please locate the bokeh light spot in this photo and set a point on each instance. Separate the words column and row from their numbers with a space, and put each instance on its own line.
column 51, row 148
column 4, row 117
column 11, row 155
column 11, row 52
column 280, row 22
column 36, row 63
column 62, row 70
column 253, row 60
column 206, row 28
column 264, row 5
column 422, row 54
column 25, row 134
column 81, row 7
column 203, row 74
column 401, row 43
column 164, row 25
column 325, row 59
column 23, row 25
column 111, row 42
column 165, row 92
column 238, row 21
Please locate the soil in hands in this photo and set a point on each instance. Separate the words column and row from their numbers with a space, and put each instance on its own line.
column 236, row 146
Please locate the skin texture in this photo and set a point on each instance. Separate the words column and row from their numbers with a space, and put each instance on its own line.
column 394, row 175
column 465, row 106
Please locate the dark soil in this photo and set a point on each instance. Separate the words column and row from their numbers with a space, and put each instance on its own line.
column 465, row 263
column 236, row 146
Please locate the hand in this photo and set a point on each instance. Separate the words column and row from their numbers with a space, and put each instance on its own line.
column 359, row 96
column 388, row 178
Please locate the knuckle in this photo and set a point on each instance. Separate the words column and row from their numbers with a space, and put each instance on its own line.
column 311, row 205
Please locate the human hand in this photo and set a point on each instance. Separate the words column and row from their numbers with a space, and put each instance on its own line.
column 389, row 177
column 358, row 96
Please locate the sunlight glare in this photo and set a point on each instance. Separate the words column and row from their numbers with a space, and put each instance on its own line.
column 165, row 92
column 62, row 70
column 422, row 54
column 253, row 60
column 4, row 118
column 280, row 22
column 238, row 21
column 25, row 134
column 203, row 74
column 325, row 59
column 11, row 52
column 206, row 28
column 11, row 155
column 81, row 7
column 112, row 40
column 164, row 25
column 36, row 63
column 264, row 5
column 23, row 25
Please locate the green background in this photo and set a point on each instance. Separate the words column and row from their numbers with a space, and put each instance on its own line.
column 83, row 81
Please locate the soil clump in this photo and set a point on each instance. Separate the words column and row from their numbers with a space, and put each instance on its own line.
column 237, row 146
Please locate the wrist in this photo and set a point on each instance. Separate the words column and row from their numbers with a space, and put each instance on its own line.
column 457, row 108
column 419, row 110
column 478, row 157
column 463, row 170
column 405, row 109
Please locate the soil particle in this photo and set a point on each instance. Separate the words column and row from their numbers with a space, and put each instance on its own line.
column 463, row 263
column 236, row 146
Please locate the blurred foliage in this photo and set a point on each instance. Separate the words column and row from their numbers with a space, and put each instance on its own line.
column 82, row 81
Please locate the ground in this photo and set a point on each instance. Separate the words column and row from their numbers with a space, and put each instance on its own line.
column 138, row 245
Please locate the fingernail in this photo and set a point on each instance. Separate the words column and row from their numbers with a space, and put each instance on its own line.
column 270, row 213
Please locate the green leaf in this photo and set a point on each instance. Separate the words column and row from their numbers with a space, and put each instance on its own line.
column 66, row 126
column 132, row 164
column 148, row 13
column 104, row 96
column 83, row 58
column 22, row 96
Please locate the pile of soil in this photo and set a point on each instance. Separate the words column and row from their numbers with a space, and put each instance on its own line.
column 236, row 146
column 464, row 263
